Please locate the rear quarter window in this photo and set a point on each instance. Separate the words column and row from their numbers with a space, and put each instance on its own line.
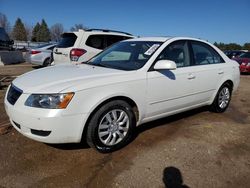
column 96, row 41
column 111, row 39
column 103, row 41
column 67, row 40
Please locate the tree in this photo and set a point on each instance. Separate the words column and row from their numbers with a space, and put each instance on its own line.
column 43, row 34
column 35, row 31
column 230, row 46
column 56, row 30
column 19, row 32
column 76, row 27
column 5, row 23
column 246, row 46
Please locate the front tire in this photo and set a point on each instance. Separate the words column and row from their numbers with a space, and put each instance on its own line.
column 222, row 99
column 111, row 127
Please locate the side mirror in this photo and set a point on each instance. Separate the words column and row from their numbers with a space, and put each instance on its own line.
column 165, row 65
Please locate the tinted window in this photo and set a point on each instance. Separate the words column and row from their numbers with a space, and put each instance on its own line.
column 245, row 55
column 177, row 52
column 67, row 40
column 96, row 41
column 111, row 39
column 204, row 54
column 127, row 55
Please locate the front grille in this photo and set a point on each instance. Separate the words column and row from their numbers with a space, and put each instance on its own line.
column 13, row 94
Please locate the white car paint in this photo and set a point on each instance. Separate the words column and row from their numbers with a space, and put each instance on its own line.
column 61, row 55
column 155, row 94
column 43, row 55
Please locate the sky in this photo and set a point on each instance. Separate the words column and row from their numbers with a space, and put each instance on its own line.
column 224, row 21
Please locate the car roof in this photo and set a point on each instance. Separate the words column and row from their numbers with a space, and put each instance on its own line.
column 164, row 39
column 103, row 32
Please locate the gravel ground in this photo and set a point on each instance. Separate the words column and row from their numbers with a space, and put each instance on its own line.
column 192, row 149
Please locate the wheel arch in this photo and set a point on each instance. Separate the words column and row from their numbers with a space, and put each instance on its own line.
column 228, row 81
column 45, row 59
column 131, row 102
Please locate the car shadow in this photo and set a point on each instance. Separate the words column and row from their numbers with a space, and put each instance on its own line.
column 70, row 146
column 37, row 67
column 140, row 129
column 169, row 119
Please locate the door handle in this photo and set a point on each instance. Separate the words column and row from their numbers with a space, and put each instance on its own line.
column 58, row 53
column 221, row 72
column 191, row 76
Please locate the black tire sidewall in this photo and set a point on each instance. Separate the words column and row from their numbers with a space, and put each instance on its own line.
column 215, row 106
column 92, row 131
column 46, row 62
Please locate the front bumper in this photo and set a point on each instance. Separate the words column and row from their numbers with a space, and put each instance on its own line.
column 45, row 125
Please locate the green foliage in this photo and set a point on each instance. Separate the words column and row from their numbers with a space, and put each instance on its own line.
column 41, row 32
column 19, row 32
column 35, row 31
column 232, row 46
column 246, row 46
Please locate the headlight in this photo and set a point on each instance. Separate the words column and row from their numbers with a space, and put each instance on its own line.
column 248, row 64
column 50, row 101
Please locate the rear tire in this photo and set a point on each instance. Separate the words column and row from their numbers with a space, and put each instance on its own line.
column 46, row 62
column 111, row 127
column 222, row 99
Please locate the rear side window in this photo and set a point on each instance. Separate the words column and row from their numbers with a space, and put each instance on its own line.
column 67, row 40
column 204, row 54
column 96, row 41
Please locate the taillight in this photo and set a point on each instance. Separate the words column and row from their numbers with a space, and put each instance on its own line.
column 35, row 52
column 75, row 53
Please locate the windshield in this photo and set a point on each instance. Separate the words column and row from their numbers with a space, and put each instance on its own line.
column 245, row 55
column 127, row 55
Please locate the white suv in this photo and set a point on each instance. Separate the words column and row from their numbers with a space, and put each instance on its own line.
column 82, row 45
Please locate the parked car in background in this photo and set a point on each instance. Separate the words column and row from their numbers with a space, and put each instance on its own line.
column 132, row 82
column 233, row 53
column 244, row 61
column 5, row 42
column 82, row 45
column 40, row 55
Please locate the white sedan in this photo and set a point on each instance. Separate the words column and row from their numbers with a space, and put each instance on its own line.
column 133, row 82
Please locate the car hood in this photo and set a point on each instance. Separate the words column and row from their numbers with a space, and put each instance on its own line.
column 58, row 78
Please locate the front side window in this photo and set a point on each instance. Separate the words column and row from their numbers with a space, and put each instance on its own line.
column 177, row 52
column 127, row 55
column 204, row 54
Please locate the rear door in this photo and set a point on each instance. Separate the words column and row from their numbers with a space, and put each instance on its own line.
column 61, row 53
column 208, row 69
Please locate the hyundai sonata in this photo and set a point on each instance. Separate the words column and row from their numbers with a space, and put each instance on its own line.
column 132, row 82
